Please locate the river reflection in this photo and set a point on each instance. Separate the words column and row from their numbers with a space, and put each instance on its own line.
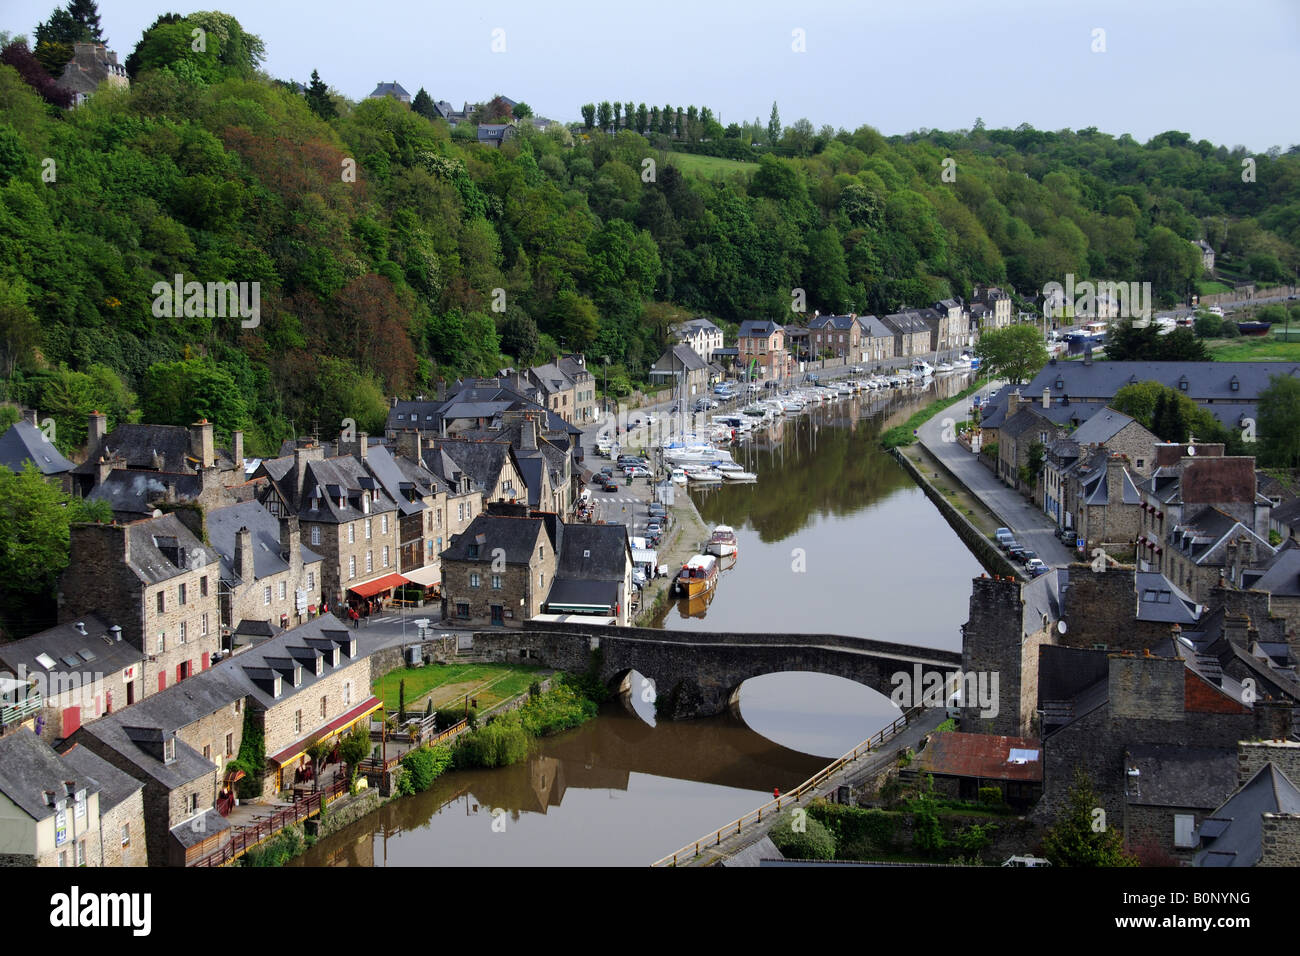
column 614, row 791
column 835, row 537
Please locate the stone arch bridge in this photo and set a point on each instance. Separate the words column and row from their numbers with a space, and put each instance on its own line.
column 697, row 674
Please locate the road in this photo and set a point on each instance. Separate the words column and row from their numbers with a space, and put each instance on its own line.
column 1034, row 529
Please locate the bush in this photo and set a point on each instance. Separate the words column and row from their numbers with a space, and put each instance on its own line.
column 560, row 708
column 812, row 841
column 422, row 767
column 1230, row 330
column 859, row 834
column 991, row 796
column 499, row 744
column 277, row 851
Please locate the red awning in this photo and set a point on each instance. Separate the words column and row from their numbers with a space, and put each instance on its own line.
column 371, row 588
column 368, row 706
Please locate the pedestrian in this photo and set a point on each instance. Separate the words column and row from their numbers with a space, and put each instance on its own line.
column 776, row 793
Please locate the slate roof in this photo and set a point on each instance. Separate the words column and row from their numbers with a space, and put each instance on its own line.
column 985, row 756
column 678, row 357
column 240, row 673
column 1102, row 427
column 325, row 482
column 115, row 785
column 905, row 323
column 1233, row 835
column 518, row 537
column 1207, row 534
column 72, row 652
column 874, row 328
column 840, row 323
column 550, row 378
column 757, row 328
column 593, row 552
column 1282, row 577
column 696, row 325
column 573, row 591
column 1096, row 490
column 150, row 447
column 268, row 558
column 390, row 89
column 1205, row 380
column 382, row 465
column 492, row 132
column 131, row 494
column 1043, row 595
column 23, row 442
column 200, row 827
column 481, row 460
column 1177, row 776
column 29, row 767
column 1159, row 599
column 163, row 548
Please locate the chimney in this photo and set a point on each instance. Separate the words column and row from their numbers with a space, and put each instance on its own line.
column 237, row 448
column 407, row 443
column 201, row 445
column 102, row 469
column 442, row 389
column 528, row 434
column 1047, row 397
column 1115, row 479
column 291, row 546
column 244, row 555
column 95, row 432
column 32, row 417
column 300, row 458
column 1087, row 356
column 1013, row 404
column 1236, row 628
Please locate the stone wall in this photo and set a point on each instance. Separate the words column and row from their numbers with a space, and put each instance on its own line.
column 1100, row 607
column 210, row 731
column 128, row 813
column 994, row 642
column 347, row 810
column 1252, row 755
column 1280, row 840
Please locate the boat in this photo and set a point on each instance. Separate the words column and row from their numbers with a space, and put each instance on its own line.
column 922, row 367
column 703, row 475
column 738, row 476
column 723, row 541
column 1254, row 328
column 697, row 576
column 963, row 362
column 677, row 477
column 943, row 368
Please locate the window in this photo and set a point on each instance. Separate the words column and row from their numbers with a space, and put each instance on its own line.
column 239, row 706
column 297, row 721
column 473, row 580
column 460, row 516
column 315, row 534
column 367, row 529
column 283, row 590
column 370, row 561
column 385, row 555
column 161, row 602
column 539, row 553
column 180, row 593
column 81, row 853
column 462, row 611
column 541, row 579
column 1139, row 464
column 169, row 749
column 324, row 706
column 496, row 582
column 352, row 534
column 347, row 692
column 1184, row 830
column 194, row 803
column 182, row 632
column 207, row 751
column 162, row 641
column 126, row 834
column 311, row 580
column 230, row 745
column 352, row 567
column 266, row 594
column 203, row 586
column 383, row 524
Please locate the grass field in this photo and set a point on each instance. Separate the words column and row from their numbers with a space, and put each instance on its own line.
column 709, row 167
column 491, row 683
column 1250, row 348
column 1209, row 287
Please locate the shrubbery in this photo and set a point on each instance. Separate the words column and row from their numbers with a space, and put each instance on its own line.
column 498, row 744
column 423, row 766
column 802, row 837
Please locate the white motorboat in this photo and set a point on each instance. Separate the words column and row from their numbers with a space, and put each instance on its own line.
column 723, row 541
column 677, row 476
column 943, row 368
column 739, row 476
column 923, row 367
column 707, row 476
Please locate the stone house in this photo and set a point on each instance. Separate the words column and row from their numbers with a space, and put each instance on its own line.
column 499, row 571
column 1207, row 254
column 876, row 340
column 593, row 572
column 911, row 333
column 74, row 672
column 557, row 388
column 267, row 574
column 961, row 764
column 1169, row 790
column 835, row 336
column 701, row 335
column 584, row 387
column 345, row 516
column 1258, row 825
column 121, row 807
column 687, row 371
column 49, row 812
column 991, row 299
column 92, row 64
column 166, row 450
column 1105, row 504
column 760, row 345
column 393, row 89
column 951, row 331
column 159, row 583
column 495, row 134
column 1280, row 579
column 1019, row 435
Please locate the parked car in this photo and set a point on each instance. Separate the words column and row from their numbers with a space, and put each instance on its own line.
column 654, row 528
column 611, row 485
column 636, row 471
column 658, row 509
column 1014, row 552
column 1036, row 567
column 608, row 470
column 1006, row 544
column 1027, row 556
column 599, row 480
column 1002, row 533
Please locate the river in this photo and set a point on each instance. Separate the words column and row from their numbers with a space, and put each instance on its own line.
column 834, row 538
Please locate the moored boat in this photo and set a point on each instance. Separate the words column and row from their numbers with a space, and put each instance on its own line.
column 697, row 575
column 723, row 541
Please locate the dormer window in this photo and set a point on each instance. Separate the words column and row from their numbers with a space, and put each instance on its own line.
column 1182, row 384
column 1235, row 384
column 365, row 504
column 169, row 749
column 1060, row 383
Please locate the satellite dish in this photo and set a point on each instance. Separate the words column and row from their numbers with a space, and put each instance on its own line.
column 157, row 513
column 1060, row 627
column 1191, row 449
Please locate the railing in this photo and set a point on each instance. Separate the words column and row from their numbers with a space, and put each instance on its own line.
column 17, row 713
column 249, row 837
column 691, row 850
column 379, row 765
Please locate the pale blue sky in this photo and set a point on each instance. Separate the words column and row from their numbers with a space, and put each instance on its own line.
column 1223, row 71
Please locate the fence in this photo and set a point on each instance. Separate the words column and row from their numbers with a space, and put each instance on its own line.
column 249, row 837
column 379, row 765
column 692, row 850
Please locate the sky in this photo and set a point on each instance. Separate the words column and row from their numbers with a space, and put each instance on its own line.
column 1223, row 71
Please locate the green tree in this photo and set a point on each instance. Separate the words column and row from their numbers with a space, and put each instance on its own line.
column 642, row 119
column 522, row 110
column 34, row 520
column 1279, row 422
column 519, row 337
column 86, row 14
column 55, row 37
column 354, row 749
column 774, row 126
column 1015, row 353
column 318, row 98
column 604, row 115
column 181, row 393
column 19, row 330
column 1081, row 836
column 589, row 115
column 423, row 104
column 801, row 837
